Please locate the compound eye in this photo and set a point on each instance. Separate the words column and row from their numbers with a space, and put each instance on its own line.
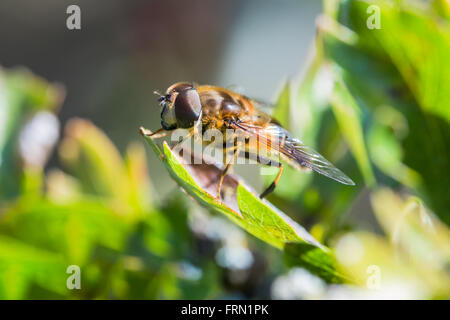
column 187, row 107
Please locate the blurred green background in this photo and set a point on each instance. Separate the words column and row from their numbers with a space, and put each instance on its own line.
column 78, row 185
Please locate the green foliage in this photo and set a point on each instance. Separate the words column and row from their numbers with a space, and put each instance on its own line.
column 125, row 244
column 404, row 69
column 346, row 112
column 21, row 96
column 282, row 111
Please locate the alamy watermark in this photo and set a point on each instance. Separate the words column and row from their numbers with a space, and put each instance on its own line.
column 73, row 21
column 74, row 280
column 374, row 279
column 231, row 146
column 374, row 20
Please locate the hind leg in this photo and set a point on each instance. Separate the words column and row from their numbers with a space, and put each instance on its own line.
column 226, row 169
column 267, row 162
column 272, row 186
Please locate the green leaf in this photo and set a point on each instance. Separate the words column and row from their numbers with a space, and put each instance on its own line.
column 267, row 223
column 386, row 153
column 23, row 265
column 283, row 110
column 88, row 153
column 312, row 259
column 418, row 44
column 22, row 94
column 346, row 112
column 258, row 217
column 395, row 66
column 73, row 228
column 415, row 229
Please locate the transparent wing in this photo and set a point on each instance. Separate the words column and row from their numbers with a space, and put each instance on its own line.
column 277, row 138
column 236, row 88
column 258, row 103
column 263, row 105
column 308, row 157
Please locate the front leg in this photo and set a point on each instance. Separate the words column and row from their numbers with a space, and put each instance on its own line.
column 154, row 135
column 226, row 169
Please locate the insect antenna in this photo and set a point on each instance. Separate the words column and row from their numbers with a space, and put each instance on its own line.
column 161, row 97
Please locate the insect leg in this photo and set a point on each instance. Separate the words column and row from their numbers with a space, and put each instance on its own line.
column 274, row 183
column 271, row 163
column 227, row 168
column 157, row 134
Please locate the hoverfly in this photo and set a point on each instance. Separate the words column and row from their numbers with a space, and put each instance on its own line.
column 191, row 106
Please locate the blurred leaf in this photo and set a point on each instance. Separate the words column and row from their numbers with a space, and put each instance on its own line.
column 23, row 265
column 393, row 66
column 282, row 111
column 442, row 8
column 89, row 154
column 94, row 159
column 417, row 44
column 74, row 228
column 346, row 112
column 413, row 229
column 387, row 154
column 141, row 189
column 62, row 188
column 21, row 95
column 370, row 260
column 411, row 263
